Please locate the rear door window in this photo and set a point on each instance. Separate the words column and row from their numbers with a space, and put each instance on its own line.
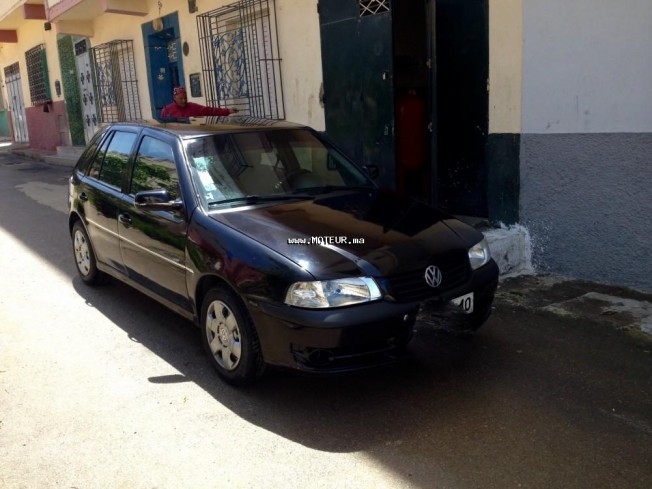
column 110, row 163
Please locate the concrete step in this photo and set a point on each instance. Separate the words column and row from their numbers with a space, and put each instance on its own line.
column 70, row 151
column 65, row 160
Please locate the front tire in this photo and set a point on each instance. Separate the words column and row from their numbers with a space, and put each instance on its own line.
column 479, row 316
column 229, row 337
column 85, row 256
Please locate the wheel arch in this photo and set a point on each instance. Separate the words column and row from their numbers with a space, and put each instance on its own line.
column 72, row 219
column 206, row 283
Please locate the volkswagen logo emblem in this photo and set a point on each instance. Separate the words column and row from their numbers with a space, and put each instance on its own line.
column 433, row 276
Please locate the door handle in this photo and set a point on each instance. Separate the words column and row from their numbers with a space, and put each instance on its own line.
column 125, row 219
column 83, row 197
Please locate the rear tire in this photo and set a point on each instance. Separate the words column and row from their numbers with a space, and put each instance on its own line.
column 85, row 256
column 229, row 337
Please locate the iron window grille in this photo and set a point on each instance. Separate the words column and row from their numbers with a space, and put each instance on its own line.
column 37, row 75
column 116, row 85
column 11, row 73
column 373, row 7
column 12, row 70
column 241, row 66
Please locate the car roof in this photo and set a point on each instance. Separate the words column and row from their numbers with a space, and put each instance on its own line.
column 205, row 126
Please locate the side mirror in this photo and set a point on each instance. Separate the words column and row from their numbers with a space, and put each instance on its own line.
column 156, row 200
column 372, row 171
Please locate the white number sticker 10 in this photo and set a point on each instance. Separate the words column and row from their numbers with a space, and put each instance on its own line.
column 464, row 302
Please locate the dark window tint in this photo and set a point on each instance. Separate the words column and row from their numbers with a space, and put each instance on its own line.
column 155, row 168
column 98, row 158
column 90, row 153
column 116, row 158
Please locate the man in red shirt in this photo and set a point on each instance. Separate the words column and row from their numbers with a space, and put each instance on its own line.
column 181, row 108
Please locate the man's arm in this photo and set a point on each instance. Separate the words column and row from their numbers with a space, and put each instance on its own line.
column 199, row 110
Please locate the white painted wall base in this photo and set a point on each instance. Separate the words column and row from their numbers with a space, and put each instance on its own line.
column 511, row 248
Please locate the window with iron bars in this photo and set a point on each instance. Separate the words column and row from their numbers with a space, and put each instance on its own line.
column 37, row 75
column 116, row 85
column 241, row 65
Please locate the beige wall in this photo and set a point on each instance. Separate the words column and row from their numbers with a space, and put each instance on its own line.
column 8, row 6
column 111, row 27
column 505, row 65
column 299, row 47
column 298, row 39
column 30, row 34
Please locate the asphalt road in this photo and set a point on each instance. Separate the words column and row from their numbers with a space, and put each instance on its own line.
column 104, row 388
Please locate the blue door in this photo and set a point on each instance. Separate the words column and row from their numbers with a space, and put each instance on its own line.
column 164, row 63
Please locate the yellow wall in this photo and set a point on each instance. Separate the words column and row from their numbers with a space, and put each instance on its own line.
column 8, row 6
column 505, row 65
column 299, row 47
column 30, row 34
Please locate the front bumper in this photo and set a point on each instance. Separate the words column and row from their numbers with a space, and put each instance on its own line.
column 336, row 340
column 350, row 338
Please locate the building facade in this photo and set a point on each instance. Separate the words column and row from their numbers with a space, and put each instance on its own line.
column 586, row 191
column 521, row 112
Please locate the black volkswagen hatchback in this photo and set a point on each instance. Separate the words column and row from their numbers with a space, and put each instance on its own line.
column 281, row 249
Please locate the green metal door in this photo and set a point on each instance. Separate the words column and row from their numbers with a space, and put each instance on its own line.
column 356, row 44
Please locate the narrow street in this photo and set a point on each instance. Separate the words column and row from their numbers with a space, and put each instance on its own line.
column 104, row 388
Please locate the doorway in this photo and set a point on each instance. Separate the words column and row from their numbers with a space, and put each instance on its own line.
column 414, row 81
column 463, row 105
column 405, row 89
column 356, row 45
column 86, row 90
column 16, row 103
column 378, row 81
column 163, row 58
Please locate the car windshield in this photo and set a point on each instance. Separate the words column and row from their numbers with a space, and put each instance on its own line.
column 268, row 165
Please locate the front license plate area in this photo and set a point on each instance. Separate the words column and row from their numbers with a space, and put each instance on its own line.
column 464, row 302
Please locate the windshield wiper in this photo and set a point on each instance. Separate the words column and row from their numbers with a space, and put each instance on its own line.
column 256, row 199
column 331, row 188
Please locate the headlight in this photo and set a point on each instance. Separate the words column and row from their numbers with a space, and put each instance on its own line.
column 332, row 293
column 479, row 254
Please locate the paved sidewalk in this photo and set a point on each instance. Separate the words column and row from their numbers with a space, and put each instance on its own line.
column 66, row 156
column 625, row 309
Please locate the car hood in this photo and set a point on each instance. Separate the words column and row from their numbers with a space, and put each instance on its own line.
column 371, row 232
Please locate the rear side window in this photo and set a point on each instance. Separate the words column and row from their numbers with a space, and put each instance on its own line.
column 155, row 168
column 110, row 163
column 88, row 156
